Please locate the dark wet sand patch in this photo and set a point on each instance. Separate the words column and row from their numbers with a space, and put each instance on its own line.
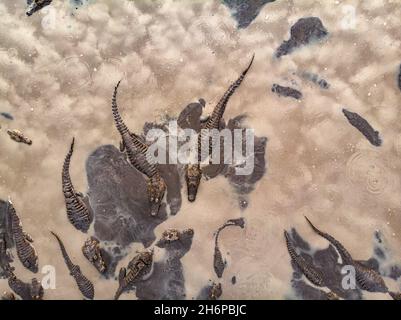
column 303, row 32
column 283, row 91
column 316, row 79
column 363, row 127
column 244, row 12
column 7, row 115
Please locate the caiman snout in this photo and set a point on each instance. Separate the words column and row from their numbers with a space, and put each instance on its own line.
column 156, row 190
column 192, row 190
column 192, row 177
column 154, row 209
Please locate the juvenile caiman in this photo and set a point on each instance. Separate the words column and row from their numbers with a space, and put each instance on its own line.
column 138, row 267
column 91, row 250
column 193, row 172
column 78, row 208
column 137, row 154
column 84, row 285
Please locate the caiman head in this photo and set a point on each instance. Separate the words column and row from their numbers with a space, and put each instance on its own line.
column 36, row 290
column 32, row 264
column 192, row 177
column 176, row 242
column 156, row 190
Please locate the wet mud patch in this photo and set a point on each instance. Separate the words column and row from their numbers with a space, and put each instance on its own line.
column 399, row 78
column 244, row 12
column 382, row 259
column 303, row 32
column 315, row 78
column 117, row 194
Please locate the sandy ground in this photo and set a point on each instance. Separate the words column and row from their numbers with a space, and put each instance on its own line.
column 57, row 72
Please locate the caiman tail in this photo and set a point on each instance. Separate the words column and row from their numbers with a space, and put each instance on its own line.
column 307, row 269
column 121, row 127
column 290, row 247
column 84, row 285
column 345, row 256
column 219, row 109
column 121, row 277
column 66, row 179
column 67, row 259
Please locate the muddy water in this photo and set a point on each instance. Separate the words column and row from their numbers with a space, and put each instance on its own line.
column 57, row 72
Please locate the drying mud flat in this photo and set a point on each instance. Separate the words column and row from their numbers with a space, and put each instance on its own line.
column 58, row 70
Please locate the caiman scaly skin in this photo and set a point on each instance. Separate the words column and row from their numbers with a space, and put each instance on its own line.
column 138, row 267
column 136, row 151
column 193, row 175
column 37, row 5
column 78, row 209
column 27, row 291
column 367, row 278
column 84, row 285
column 91, row 251
column 23, row 242
column 306, row 268
column 194, row 172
